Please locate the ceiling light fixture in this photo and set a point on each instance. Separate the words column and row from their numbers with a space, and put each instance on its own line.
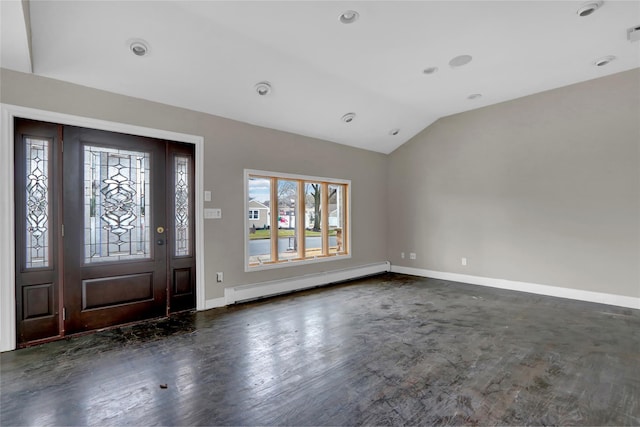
column 430, row 70
column 394, row 132
column 474, row 96
column 349, row 17
column 263, row 88
column 459, row 61
column 348, row 118
column 139, row 47
column 604, row 61
column 588, row 8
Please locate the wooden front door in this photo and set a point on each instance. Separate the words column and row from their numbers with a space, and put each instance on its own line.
column 115, row 227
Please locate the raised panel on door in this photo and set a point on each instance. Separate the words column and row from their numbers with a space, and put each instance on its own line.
column 114, row 219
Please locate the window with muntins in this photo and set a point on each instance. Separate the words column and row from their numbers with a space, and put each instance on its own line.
column 306, row 219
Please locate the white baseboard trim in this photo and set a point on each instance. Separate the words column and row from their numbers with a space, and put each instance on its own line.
column 263, row 289
column 214, row 303
column 534, row 288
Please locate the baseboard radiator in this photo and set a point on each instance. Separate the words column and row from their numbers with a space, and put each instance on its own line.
column 254, row 291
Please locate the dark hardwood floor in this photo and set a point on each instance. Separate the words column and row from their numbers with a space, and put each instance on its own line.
column 386, row 350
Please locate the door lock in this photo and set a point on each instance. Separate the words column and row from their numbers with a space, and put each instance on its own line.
column 160, row 230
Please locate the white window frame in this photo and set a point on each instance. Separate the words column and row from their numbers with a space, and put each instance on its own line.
column 296, row 262
column 253, row 217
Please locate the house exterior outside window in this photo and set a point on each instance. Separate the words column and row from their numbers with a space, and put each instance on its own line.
column 310, row 222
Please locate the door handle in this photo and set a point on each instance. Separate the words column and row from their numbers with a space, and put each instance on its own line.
column 160, row 242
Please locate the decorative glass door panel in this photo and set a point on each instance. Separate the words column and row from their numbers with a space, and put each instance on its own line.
column 182, row 170
column 116, row 206
column 37, row 202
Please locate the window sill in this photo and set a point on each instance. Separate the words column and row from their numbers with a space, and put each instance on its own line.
column 295, row 262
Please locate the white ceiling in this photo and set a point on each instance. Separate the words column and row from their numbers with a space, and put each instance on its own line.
column 208, row 56
column 14, row 39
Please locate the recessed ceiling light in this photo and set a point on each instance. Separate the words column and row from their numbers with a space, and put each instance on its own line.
column 461, row 60
column 430, row 70
column 604, row 61
column 474, row 96
column 349, row 17
column 139, row 47
column 348, row 118
column 263, row 88
column 588, row 8
column 394, row 132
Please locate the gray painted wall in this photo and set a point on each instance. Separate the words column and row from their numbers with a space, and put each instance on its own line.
column 230, row 147
column 544, row 189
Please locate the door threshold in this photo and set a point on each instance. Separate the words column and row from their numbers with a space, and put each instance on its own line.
column 93, row 331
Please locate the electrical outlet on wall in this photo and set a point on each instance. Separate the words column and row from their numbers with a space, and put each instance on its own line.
column 402, row 255
column 412, row 255
column 463, row 261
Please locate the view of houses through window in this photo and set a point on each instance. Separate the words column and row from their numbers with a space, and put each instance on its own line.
column 286, row 220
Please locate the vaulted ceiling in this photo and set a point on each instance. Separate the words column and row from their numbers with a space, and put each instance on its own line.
column 390, row 66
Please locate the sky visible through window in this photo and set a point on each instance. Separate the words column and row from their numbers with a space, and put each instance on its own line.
column 259, row 189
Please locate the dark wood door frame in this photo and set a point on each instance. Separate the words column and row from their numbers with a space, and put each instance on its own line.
column 179, row 291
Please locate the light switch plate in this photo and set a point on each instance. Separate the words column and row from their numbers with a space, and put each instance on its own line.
column 207, row 196
column 210, row 213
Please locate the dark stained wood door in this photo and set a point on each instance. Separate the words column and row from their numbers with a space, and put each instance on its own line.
column 118, row 229
column 114, row 229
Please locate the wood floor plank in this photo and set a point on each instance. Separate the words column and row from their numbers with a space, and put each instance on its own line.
column 386, row 350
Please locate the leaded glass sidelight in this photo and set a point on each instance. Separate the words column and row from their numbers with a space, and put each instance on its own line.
column 182, row 206
column 116, row 205
column 37, row 203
